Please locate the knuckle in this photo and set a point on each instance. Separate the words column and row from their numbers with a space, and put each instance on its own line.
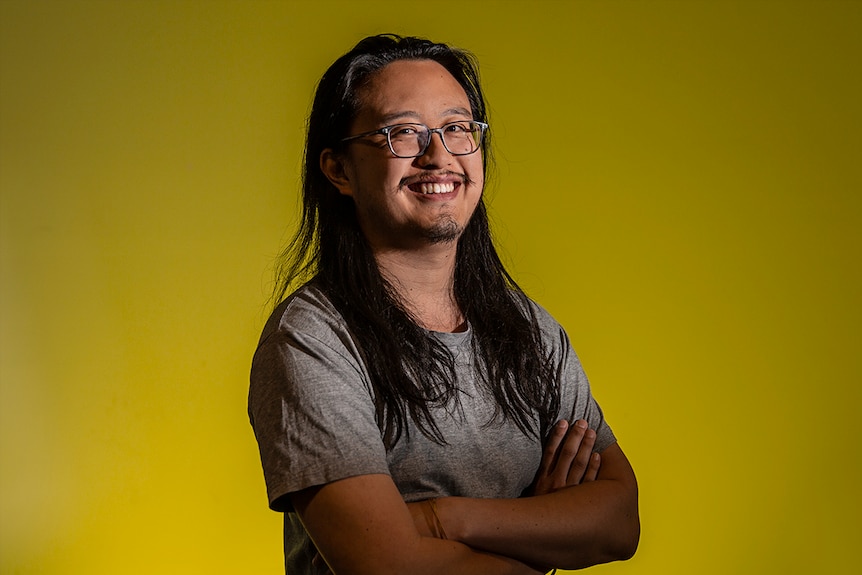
column 569, row 451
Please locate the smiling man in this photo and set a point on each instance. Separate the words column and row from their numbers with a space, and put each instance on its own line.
column 415, row 411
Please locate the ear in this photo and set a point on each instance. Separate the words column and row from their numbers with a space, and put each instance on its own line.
column 332, row 166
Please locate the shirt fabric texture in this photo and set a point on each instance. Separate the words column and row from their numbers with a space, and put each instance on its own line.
column 312, row 410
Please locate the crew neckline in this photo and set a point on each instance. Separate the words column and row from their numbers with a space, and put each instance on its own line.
column 452, row 340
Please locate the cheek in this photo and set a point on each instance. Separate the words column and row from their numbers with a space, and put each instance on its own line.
column 475, row 173
column 373, row 176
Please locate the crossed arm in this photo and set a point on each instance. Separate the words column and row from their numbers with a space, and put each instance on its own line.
column 582, row 510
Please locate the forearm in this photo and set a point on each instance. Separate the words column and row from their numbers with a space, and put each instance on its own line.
column 574, row 527
column 435, row 556
column 425, row 556
column 361, row 526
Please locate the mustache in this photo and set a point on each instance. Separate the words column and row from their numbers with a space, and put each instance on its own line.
column 435, row 175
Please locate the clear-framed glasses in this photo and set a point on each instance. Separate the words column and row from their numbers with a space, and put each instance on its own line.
column 412, row 140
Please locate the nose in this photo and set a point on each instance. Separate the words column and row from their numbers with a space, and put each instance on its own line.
column 435, row 154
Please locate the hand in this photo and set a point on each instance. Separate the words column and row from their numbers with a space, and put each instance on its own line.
column 567, row 458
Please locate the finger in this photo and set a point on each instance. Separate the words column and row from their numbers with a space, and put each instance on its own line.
column 542, row 482
column 593, row 469
column 549, row 453
column 568, row 453
column 581, row 460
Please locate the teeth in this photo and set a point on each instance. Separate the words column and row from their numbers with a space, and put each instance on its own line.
column 436, row 188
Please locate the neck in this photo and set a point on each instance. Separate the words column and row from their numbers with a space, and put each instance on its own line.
column 425, row 282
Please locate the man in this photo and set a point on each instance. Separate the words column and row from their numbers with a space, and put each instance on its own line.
column 401, row 398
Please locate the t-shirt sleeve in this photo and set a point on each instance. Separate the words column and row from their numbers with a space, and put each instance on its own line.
column 577, row 401
column 583, row 404
column 311, row 409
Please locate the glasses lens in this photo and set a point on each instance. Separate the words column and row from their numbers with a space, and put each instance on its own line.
column 462, row 137
column 411, row 140
column 407, row 140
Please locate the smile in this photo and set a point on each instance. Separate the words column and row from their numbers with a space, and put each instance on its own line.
column 433, row 187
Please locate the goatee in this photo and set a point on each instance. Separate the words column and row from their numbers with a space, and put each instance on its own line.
column 446, row 230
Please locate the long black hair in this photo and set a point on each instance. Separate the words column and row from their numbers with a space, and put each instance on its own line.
column 410, row 370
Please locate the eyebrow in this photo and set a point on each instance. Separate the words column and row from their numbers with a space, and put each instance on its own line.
column 405, row 114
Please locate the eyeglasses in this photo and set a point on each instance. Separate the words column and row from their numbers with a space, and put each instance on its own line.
column 412, row 140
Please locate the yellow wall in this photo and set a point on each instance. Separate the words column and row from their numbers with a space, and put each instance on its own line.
column 679, row 183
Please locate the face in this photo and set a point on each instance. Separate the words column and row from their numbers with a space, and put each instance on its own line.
column 405, row 203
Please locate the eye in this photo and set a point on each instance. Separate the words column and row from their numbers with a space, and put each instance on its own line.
column 459, row 127
column 404, row 130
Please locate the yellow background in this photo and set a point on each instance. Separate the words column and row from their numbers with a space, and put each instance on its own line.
column 678, row 182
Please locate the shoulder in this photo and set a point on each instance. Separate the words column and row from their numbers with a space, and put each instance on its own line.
column 305, row 332
column 553, row 334
column 306, row 349
column 306, row 311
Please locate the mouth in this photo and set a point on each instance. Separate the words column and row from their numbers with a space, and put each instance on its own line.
column 433, row 188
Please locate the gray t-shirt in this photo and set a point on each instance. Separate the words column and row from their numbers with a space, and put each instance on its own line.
column 312, row 410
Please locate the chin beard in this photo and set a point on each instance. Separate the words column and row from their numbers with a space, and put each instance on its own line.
column 445, row 231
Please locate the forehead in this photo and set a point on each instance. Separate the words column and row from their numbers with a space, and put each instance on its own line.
column 412, row 90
